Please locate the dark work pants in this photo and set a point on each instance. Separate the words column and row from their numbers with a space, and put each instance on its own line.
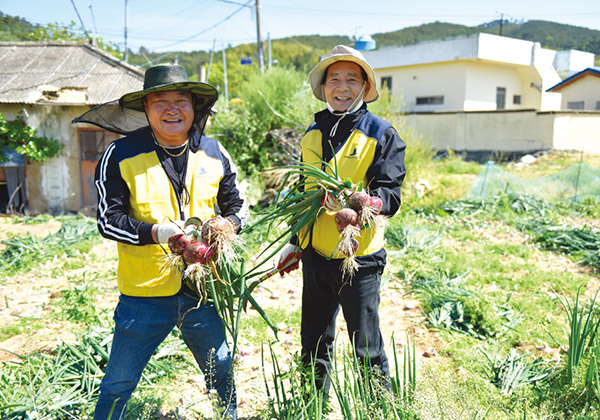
column 324, row 292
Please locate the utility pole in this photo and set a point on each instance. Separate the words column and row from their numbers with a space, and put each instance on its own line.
column 259, row 44
column 501, row 21
column 225, row 78
column 125, row 35
column 269, row 44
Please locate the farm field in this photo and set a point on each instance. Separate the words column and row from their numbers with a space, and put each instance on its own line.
column 489, row 293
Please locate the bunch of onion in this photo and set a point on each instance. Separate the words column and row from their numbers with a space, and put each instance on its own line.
column 362, row 211
column 368, row 209
column 193, row 258
column 207, row 254
column 295, row 209
column 347, row 223
column 195, row 250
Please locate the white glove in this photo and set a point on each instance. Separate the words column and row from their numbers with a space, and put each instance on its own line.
column 289, row 258
column 166, row 230
column 330, row 203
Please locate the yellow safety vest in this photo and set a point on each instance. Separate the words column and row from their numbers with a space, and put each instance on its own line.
column 353, row 160
column 142, row 270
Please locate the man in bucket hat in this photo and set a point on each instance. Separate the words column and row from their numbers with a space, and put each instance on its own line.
column 148, row 183
column 368, row 150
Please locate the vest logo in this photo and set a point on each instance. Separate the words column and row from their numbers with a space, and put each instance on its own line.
column 353, row 155
column 201, row 171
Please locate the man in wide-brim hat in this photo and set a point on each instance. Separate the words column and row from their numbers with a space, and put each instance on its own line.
column 161, row 174
column 368, row 150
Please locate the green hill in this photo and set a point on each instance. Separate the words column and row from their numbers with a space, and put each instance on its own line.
column 303, row 52
column 14, row 28
column 551, row 35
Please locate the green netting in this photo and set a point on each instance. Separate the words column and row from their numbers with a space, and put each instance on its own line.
column 578, row 182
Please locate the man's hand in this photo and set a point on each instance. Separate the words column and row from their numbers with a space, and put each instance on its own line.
column 165, row 230
column 289, row 259
column 330, row 203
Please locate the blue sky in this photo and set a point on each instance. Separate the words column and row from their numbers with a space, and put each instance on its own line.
column 187, row 25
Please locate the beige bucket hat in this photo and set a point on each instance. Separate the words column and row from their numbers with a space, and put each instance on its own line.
column 342, row 53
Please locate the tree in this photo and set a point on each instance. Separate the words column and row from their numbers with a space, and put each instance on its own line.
column 62, row 32
column 17, row 135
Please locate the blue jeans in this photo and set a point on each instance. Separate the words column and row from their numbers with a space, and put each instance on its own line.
column 141, row 324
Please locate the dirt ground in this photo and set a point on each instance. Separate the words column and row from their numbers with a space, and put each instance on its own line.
column 31, row 296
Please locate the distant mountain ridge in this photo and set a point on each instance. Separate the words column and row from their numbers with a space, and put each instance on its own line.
column 302, row 52
column 551, row 35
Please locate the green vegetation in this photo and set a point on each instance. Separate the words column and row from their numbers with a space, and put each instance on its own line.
column 506, row 319
column 20, row 326
column 65, row 384
column 17, row 135
column 302, row 52
column 506, row 313
column 266, row 102
column 76, row 237
column 549, row 34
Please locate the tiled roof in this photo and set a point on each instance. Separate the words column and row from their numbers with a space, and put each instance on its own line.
column 593, row 71
column 63, row 73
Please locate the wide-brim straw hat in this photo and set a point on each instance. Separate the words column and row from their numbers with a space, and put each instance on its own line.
column 163, row 77
column 342, row 53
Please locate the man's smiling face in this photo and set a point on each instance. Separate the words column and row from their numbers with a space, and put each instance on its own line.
column 343, row 84
column 170, row 114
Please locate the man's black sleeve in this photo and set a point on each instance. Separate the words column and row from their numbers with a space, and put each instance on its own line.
column 113, row 205
column 230, row 199
column 386, row 173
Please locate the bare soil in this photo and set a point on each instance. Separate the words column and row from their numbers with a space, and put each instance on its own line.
column 32, row 295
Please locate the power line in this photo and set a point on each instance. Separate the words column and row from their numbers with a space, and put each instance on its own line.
column 209, row 28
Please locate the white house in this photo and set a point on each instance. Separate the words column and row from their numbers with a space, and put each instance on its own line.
column 580, row 91
column 480, row 72
column 492, row 94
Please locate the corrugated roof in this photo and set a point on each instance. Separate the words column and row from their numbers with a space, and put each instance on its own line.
column 63, row 73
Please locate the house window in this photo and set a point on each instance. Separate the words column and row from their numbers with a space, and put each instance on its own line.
column 575, row 105
column 500, row 97
column 94, row 143
column 598, row 106
column 430, row 100
column 387, row 83
column 516, row 99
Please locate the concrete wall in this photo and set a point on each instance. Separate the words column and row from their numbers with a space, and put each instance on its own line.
column 479, row 46
column 509, row 131
column 576, row 131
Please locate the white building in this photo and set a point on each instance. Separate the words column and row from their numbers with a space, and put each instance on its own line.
column 480, row 72
column 580, row 91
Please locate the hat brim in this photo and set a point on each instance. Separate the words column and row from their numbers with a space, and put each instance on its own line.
column 316, row 76
column 204, row 95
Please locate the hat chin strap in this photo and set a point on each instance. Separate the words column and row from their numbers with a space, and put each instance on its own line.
column 351, row 110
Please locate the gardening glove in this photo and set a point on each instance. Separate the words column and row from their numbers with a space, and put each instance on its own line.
column 289, row 259
column 166, row 230
column 330, row 203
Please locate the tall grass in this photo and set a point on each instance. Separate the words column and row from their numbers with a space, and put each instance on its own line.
column 360, row 392
column 64, row 383
column 76, row 236
column 276, row 99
